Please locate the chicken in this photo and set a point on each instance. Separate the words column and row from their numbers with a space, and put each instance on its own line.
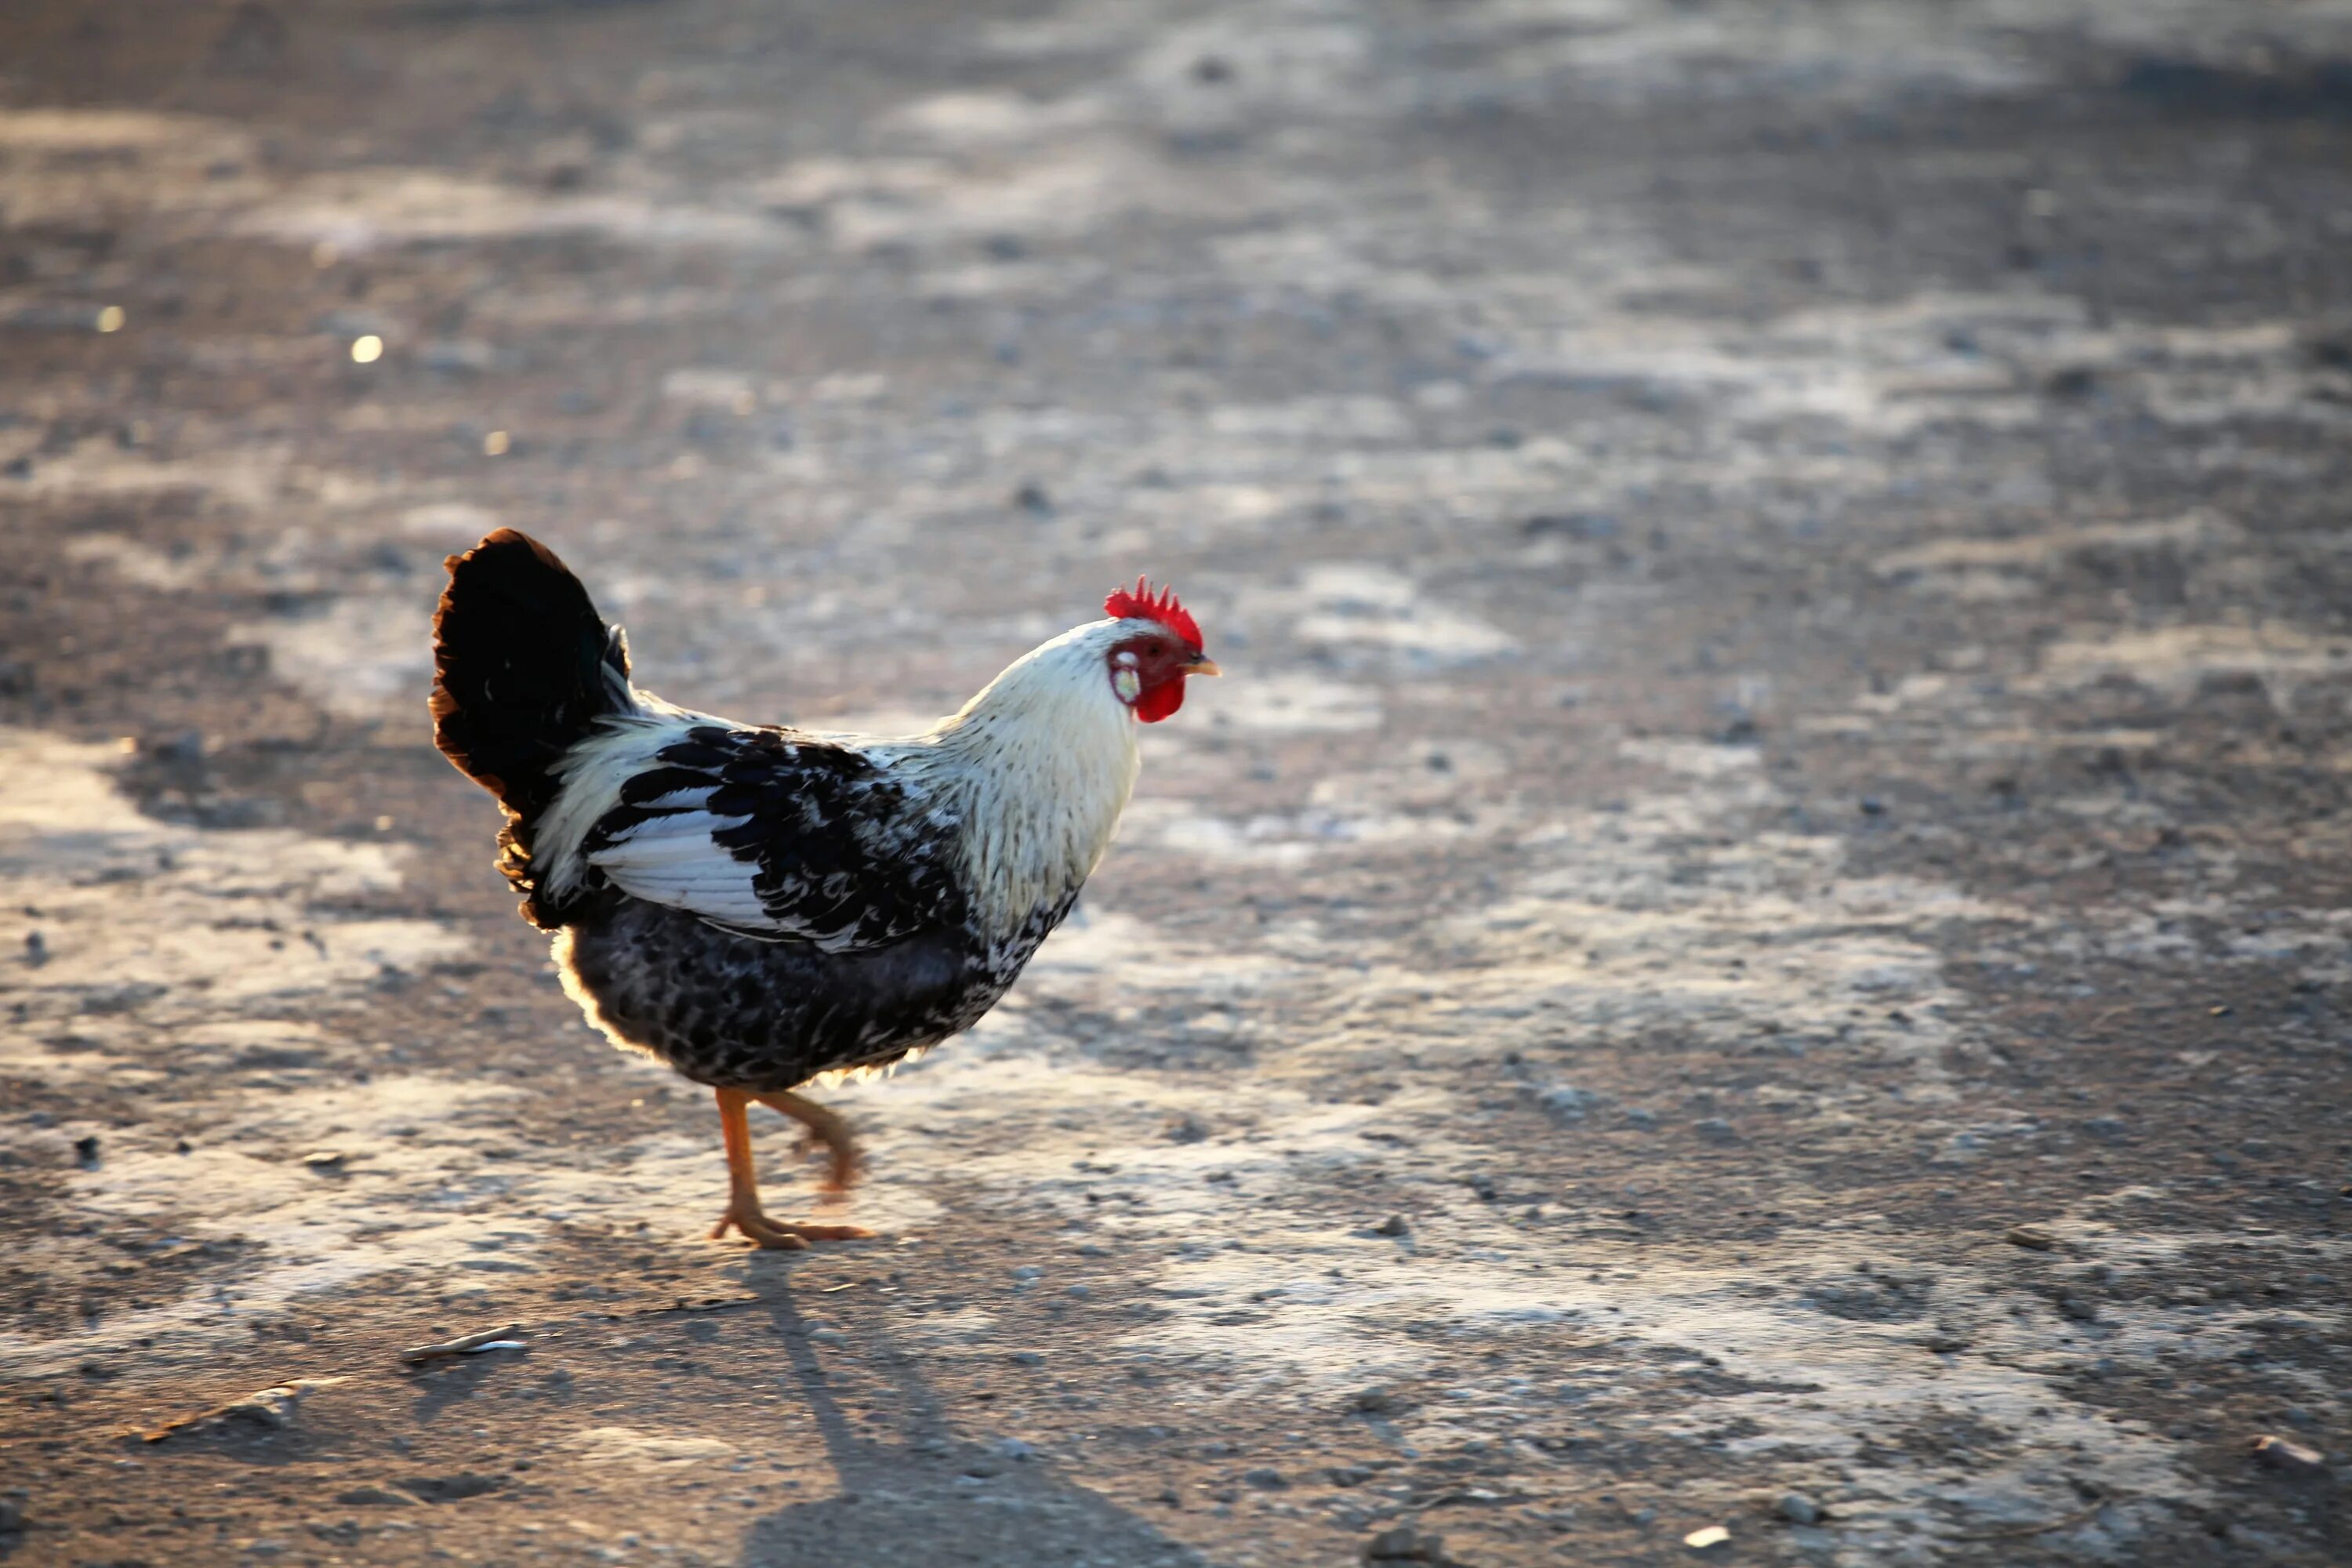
column 757, row 906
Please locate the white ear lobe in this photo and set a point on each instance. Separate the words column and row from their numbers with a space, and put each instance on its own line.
column 1128, row 684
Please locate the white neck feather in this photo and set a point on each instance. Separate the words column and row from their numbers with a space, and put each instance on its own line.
column 1038, row 766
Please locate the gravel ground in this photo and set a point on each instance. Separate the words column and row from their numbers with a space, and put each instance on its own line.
column 1758, row 940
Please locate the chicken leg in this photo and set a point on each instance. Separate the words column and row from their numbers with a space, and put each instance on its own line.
column 828, row 1128
column 743, row 1210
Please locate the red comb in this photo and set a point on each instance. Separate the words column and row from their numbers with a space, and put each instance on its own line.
column 1138, row 602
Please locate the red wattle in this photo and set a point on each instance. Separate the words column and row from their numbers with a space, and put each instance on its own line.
column 1161, row 702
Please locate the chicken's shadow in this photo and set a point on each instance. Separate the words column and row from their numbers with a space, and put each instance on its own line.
column 931, row 1497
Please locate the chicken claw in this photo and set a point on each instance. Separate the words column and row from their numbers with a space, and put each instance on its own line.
column 781, row 1236
column 743, row 1210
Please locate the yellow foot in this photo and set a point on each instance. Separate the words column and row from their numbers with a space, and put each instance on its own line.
column 781, row 1236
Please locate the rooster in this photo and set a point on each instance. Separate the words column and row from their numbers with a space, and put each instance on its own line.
column 756, row 906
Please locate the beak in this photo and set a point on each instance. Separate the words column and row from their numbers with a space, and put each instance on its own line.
column 1203, row 667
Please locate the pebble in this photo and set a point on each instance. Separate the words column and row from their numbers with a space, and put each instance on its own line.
column 2279, row 1454
column 1403, row 1543
column 1393, row 1226
column 2032, row 1236
column 1711, row 1536
column 86, row 1151
column 1716, row 1129
column 1266, row 1479
column 1028, row 1358
column 1798, row 1509
column 1564, row 1102
column 1374, row 1401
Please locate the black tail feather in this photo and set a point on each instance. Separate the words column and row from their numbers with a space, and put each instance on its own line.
column 522, row 667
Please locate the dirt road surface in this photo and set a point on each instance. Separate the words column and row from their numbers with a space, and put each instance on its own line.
column 1757, row 939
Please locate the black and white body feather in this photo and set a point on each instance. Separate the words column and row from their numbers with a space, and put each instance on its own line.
column 757, row 905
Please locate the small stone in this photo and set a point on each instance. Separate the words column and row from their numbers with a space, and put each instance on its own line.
column 2279, row 1454
column 12, row 1512
column 1637, row 1117
column 2030, row 1236
column 86, row 1151
column 269, row 1410
column 1266, row 1479
column 1565, row 1103
column 1186, row 1129
column 1798, row 1509
column 1716, row 1129
column 2073, row 1307
column 1028, row 1358
column 1711, row 1536
column 324, row 1159
column 2072, row 380
column 455, row 1488
column 1014, row 1448
column 375, row 1496
column 1374, row 1401
column 1393, row 1226
column 1403, row 1543
column 36, row 948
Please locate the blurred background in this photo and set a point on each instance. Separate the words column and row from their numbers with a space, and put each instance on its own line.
column 1784, row 575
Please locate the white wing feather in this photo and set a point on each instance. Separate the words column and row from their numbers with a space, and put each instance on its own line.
column 672, row 860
